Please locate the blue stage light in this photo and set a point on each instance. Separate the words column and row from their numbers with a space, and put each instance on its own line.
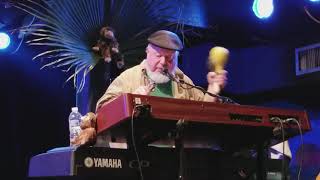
column 315, row 0
column 4, row 40
column 262, row 8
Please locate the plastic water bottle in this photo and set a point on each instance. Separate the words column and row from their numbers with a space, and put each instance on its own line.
column 74, row 123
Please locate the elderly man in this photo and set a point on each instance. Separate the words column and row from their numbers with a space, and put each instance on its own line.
column 156, row 76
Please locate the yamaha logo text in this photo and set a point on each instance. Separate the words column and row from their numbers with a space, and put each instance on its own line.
column 102, row 163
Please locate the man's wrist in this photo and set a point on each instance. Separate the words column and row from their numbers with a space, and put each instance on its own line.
column 212, row 88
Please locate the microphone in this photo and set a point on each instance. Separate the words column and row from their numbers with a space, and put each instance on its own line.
column 169, row 75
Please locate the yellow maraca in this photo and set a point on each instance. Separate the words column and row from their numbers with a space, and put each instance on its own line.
column 218, row 57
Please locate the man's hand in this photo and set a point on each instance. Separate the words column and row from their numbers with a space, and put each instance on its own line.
column 144, row 90
column 88, row 133
column 216, row 81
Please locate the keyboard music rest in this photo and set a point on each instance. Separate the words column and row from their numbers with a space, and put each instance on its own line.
column 230, row 122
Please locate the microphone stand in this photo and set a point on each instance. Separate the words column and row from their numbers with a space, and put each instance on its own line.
column 222, row 99
column 179, row 145
column 179, row 136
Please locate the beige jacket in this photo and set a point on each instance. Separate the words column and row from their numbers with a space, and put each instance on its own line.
column 131, row 79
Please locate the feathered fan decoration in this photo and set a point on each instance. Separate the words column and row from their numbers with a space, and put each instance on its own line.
column 68, row 29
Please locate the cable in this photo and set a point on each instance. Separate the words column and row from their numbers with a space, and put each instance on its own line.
column 302, row 144
column 284, row 174
column 133, row 140
column 311, row 16
column 281, row 121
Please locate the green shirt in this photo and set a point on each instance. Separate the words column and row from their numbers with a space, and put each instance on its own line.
column 163, row 90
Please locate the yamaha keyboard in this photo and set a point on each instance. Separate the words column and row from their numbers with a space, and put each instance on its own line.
column 242, row 124
column 101, row 162
column 87, row 163
column 232, row 127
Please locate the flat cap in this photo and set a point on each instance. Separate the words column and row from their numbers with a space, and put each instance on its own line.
column 166, row 39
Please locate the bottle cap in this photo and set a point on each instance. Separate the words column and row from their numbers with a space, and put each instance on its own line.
column 74, row 109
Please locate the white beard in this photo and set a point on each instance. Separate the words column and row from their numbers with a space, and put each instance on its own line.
column 157, row 77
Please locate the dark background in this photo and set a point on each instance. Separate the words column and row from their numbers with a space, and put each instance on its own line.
column 35, row 103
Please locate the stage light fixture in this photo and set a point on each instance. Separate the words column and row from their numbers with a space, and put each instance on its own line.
column 4, row 40
column 262, row 8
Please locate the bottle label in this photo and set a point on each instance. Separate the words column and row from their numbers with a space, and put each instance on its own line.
column 74, row 132
column 73, row 123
